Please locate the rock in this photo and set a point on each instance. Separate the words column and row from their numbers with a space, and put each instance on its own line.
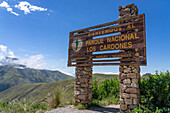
column 123, row 76
column 125, row 95
column 132, row 106
column 122, row 101
column 123, row 106
column 77, row 92
column 128, row 101
column 131, row 90
column 136, row 101
column 135, row 80
column 133, row 95
column 82, row 97
column 84, row 85
column 134, row 85
column 131, row 75
column 126, row 81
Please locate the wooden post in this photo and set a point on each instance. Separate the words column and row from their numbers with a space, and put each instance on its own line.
column 129, row 75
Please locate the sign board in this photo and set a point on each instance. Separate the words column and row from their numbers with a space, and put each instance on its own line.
column 107, row 44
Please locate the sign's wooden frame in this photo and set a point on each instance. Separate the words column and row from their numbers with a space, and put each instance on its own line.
column 136, row 41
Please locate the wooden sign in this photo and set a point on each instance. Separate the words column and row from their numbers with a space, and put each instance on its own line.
column 106, row 44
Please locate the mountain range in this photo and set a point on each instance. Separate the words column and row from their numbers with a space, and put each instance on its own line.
column 11, row 76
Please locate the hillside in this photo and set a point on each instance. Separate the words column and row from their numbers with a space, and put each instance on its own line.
column 11, row 76
column 44, row 92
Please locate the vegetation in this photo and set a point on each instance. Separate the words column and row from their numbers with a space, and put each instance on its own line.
column 40, row 92
column 22, row 107
column 155, row 92
column 80, row 107
column 45, row 92
column 106, row 93
column 11, row 76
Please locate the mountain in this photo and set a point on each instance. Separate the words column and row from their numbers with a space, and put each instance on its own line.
column 44, row 92
column 11, row 76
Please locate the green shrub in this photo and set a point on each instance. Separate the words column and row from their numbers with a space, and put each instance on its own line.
column 155, row 92
column 55, row 100
column 109, row 88
column 106, row 93
column 80, row 106
column 95, row 91
column 142, row 109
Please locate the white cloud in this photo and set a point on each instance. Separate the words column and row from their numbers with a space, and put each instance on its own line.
column 110, row 73
column 3, row 48
column 7, row 57
column 34, row 61
column 27, row 7
column 4, row 4
column 15, row 13
column 11, row 54
column 7, row 6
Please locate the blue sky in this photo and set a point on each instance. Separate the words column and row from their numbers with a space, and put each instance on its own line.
column 37, row 31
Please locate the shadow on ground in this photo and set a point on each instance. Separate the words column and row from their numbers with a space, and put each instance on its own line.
column 104, row 109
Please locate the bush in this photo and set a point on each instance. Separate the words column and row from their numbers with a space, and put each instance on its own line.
column 155, row 92
column 56, row 99
column 142, row 109
column 107, row 92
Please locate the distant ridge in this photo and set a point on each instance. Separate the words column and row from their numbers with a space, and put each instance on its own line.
column 12, row 75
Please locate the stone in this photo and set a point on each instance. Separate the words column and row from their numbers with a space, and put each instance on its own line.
column 126, row 81
column 90, row 81
column 123, row 76
column 135, row 71
column 132, row 106
column 82, row 80
column 84, row 85
column 122, row 101
column 83, row 90
column 135, row 101
column 82, row 97
column 123, row 106
column 133, row 95
column 131, row 75
column 134, row 85
column 120, row 69
column 90, row 95
column 131, row 90
column 125, row 95
column 128, row 101
column 128, row 111
column 135, row 80
column 124, row 67
column 77, row 92
column 90, row 86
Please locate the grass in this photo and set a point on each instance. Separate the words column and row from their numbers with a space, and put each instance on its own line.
column 23, row 107
column 55, row 94
column 40, row 92
column 105, row 102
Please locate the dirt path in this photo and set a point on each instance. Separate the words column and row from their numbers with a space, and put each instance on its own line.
column 71, row 109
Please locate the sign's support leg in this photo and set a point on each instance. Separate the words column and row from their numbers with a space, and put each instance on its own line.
column 83, row 85
column 129, row 75
column 83, row 82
